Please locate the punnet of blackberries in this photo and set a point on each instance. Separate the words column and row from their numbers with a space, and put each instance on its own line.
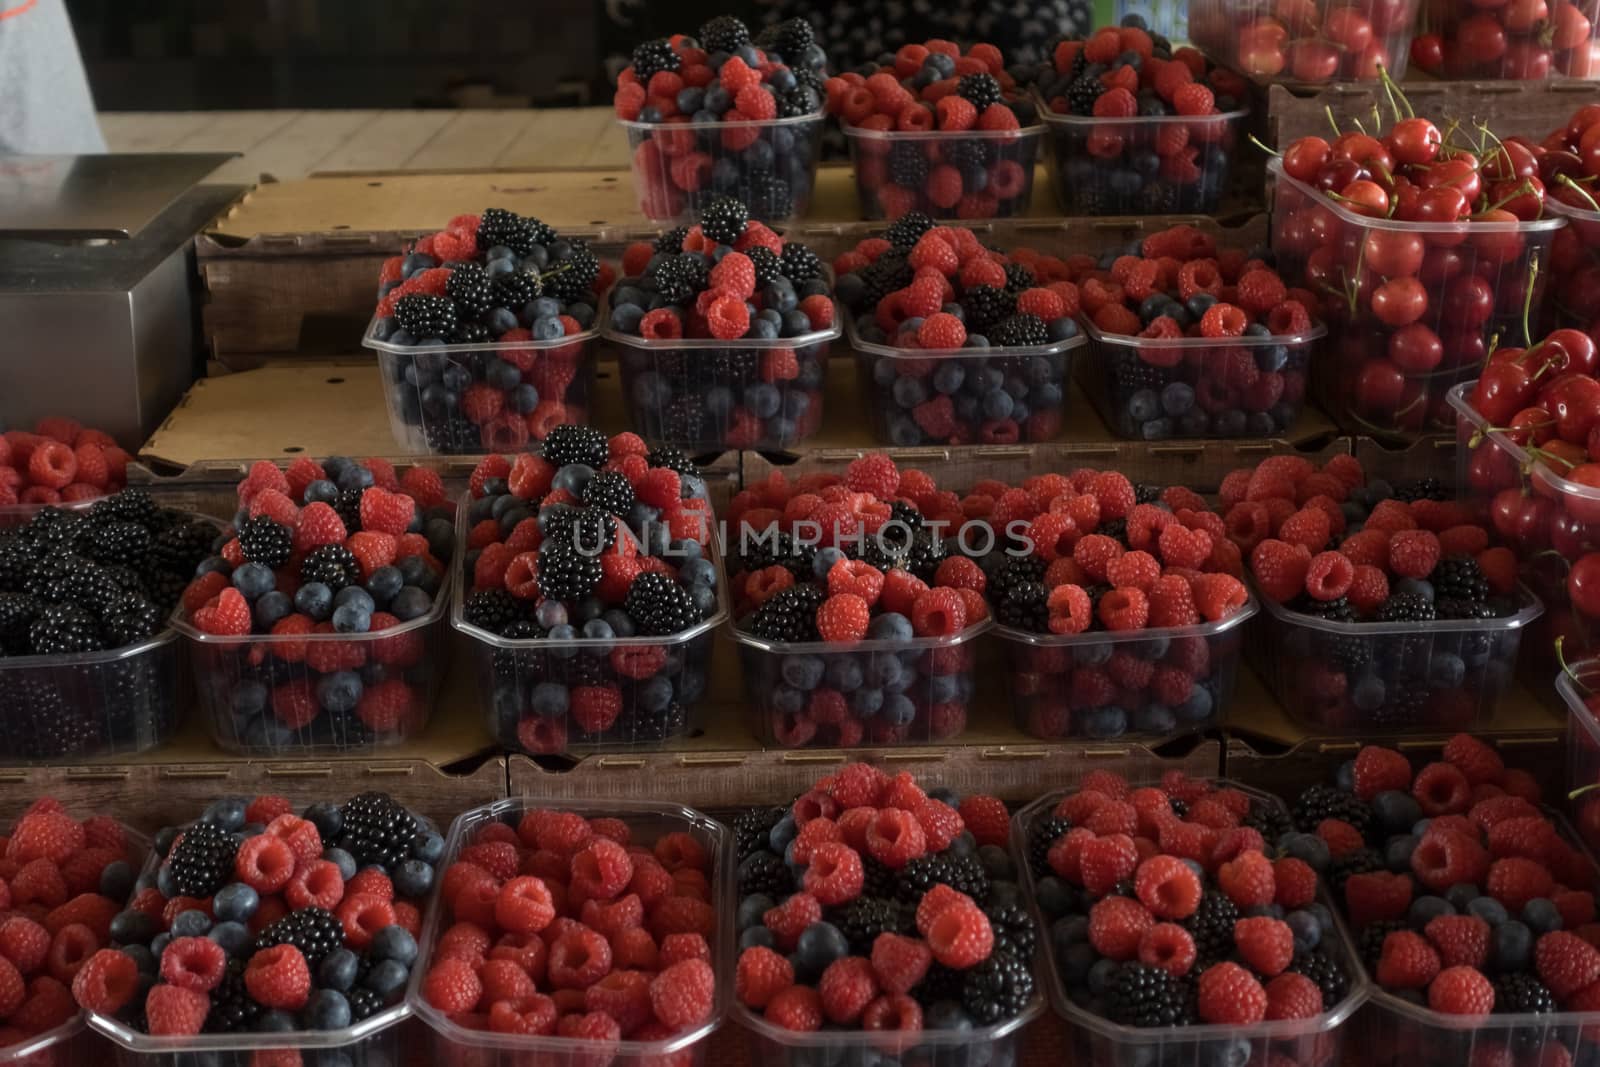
column 876, row 902
column 255, row 919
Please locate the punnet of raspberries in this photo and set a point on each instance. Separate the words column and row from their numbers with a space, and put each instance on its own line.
column 1093, row 561
column 716, row 114
column 870, row 558
column 257, row 920
column 60, row 462
column 932, row 130
column 1335, row 553
column 871, row 904
column 496, row 278
column 595, row 929
column 1184, row 904
column 1193, row 339
column 1006, row 319
column 64, row 881
column 1464, row 892
column 586, row 563
column 1138, row 128
column 322, row 560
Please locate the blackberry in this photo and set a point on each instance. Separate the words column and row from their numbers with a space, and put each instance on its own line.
column 1406, row 607
column 1361, row 861
column 734, row 367
column 565, row 573
column 877, row 878
column 1041, row 835
column 573, row 275
column 1450, row 608
column 377, row 829
column 163, row 588
column 788, row 39
column 926, row 552
column 498, row 227
column 938, row 984
column 724, row 219
column 1211, row 926
column 492, row 610
column 752, row 828
column 1146, row 996
column 1324, row 970
column 724, row 33
column 425, row 317
column 997, row 988
column 1370, row 943
column 117, row 542
column 908, row 164
column 1268, row 820
column 902, row 514
column 964, row 873
column 452, row 434
column 673, row 459
column 470, row 333
column 1336, row 610
column 1160, row 198
column 789, row 616
column 1405, row 705
column 1421, row 489
column 17, row 612
column 770, row 197
column 671, row 242
column 982, row 89
column 263, row 541
column 1018, row 278
column 660, row 606
column 968, row 154
column 864, row 918
column 131, row 620
column 537, row 231
column 905, row 231
column 1024, row 608
column 333, row 565
column 609, row 491
column 649, row 58
column 16, row 559
column 767, row 264
column 986, row 305
column 313, row 931
column 202, row 860
column 347, row 505
column 37, row 721
column 680, row 278
column 514, row 291
column 364, row 1003
column 64, row 630
column 1016, row 570
column 887, row 273
column 133, row 505
column 1014, row 929
column 777, row 550
column 765, row 872
column 800, row 263
column 1082, row 94
column 1019, row 331
column 1522, row 994
column 572, row 443
column 643, row 726
column 1320, row 802
column 801, row 100
column 1459, row 578
column 469, row 286
column 233, row 1009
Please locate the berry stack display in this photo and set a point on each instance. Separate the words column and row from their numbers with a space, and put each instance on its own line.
column 1187, row 905
column 1190, row 339
column 826, row 563
column 1136, row 128
column 869, row 904
column 79, row 589
column 724, row 330
column 1569, row 167
column 1519, row 41
column 589, row 583
column 587, row 930
column 714, row 115
column 959, row 343
column 60, row 462
column 319, row 623
column 64, row 880
column 1086, row 563
column 1388, row 608
column 1421, row 250
column 938, row 132
column 254, row 920
column 503, row 281
column 1306, row 44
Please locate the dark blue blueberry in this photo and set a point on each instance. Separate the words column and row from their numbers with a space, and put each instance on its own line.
column 340, row 691
column 254, row 579
column 1425, row 909
column 234, row 937
column 820, row 944
column 350, row 619
column 338, row 970
column 1511, row 947
column 1396, row 811
column 1397, row 853
column 327, row 1010
column 384, row 584
column 342, row 860
column 314, row 599
column 427, row 847
column 1488, row 909
column 1540, row 916
column 191, row 923
column 235, row 902
column 413, row 878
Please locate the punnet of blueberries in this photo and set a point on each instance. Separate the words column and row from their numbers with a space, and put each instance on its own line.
column 719, row 115
column 498, row 279
column 589, row 591
column 255, row 920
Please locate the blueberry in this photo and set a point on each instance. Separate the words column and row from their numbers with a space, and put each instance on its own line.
column 326, row 817
column 340, row 691
column 891, row 625
column 1308, row 848
column 1415, row 585
column 753, row 907
column 254, row 579
column 1307, row 930
column 328, row 1010
column 1144, row 405
column 338, row 969
column 342, row 860
column 1396, row 811
column 271, row 608
column 1100, row 976
column 1368, row 693
column 1461, row 895
column 1488, row 909
column 1397, row 853
column 427, row 847
column 167, row 882
column 387, row 978
column 142, row 958
column 350, row 619
column 1425, row 909
column 1054, row 896
column 413, row 878
column 314, row 599
column 1541, row 916
column 1446, row 670
column 277, row 1022
column 191, row 923
column 384, row 584
column 116, row 880
column 754, row 936
column 234, row 937
column 159, row 943
column 394, row 942
column 235, row 902
column 1511, row 947
column 820, row 944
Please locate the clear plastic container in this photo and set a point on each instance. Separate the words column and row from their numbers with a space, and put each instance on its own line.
column 1577, row 689
column 663, row 680
column 1048, row 676
column 900, row 381
column 530, row 386
column 1305, row 43
column 704, row 395
column 1575, row 294
column 1103, row 166
column 1315, row 1042
column 966, row 174
column 69, row 1045
column 1359, row 677
column 1475, row 278
column 1516, row 41
column 770, row 165
column 451, row 1043
column 1152, row 388
column 819, row 695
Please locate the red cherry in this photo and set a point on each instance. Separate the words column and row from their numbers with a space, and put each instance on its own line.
column 1585, row 507
column 1261, row 54
column 1379, row 386
column 1531, row 425
column 1577, row 346
column 1525, row 60
column 1481, row 39
column 1363, row 149
column 1575, row 403
column 1468, row 301
column 1313, row 61
column 1392, row 253
column 1583, row 584
column 1349, row 28
column 1305, row 157
column 1416, row 349
column 1510, row 160
column 1491, row 469
column 1524, row 16
column 1571, row 28
column 1366, row 198
column 1500, row 245
column 1400, row 301
column 1415, row 140
column 1427, row 52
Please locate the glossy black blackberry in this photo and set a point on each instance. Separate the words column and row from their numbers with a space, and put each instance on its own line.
column 132, row 505
column 1360, row 861
column 1269, row 820
column 453, row 434
column 1336, row 610
column 887, row 273
column 65, row 629
column 1014, row 929
column 1145, row 996
column 1211, row 926
column 1041, row 836
column 233, row 1009
column 905, row 231
column 1018, row 278
column 573, row 443
column 1405, row 704
column 119, row 541
column 982, row 89
column 777, row 550
column 1421, row 489
column 364, row 1003
column 801, row 100
column 788, row 616
column 671, row 242
column 537, row 231
column 770, row 197
column 1320, row 802
column 1370, row 943
column 985, row 306
column 469, row 286
column 908, row 164
column 768, row 266
column 679, row 278
column 572, row 277
column 1019, row 331
column 1406, row 607
column 17, row 612
column 764, row 872
column 939, row 983
column 1459, row 578
column 1024, row 607
column 377, row 829
column 660, row 606
column 787, row 39
column 1522, row 993
column 926, row 551
column 515, row 290
column 424, row 316
column 1324, row 970
column 649, row 59
column 314, row 931
column 964, row 873
column 903, row 517
column 492, row 610
column 609, row 491
column 724, row 33
column 864, row 918
column 333, row 565
column 263, row 541
column 877, row 878
column 1082, row 94
column 734, row 366
column 38, row 721
column 470, row 333
column 498, row 227
column 724, row 220
column 1013, row 571
column 637, row 724
column 1129, row 374
column 997, row 988
column 16, row 560
column 968, row 154
column 800, row 263
column 565, row 573
column 202, row 860
column 752, row 828
column 675, row 459
column 131, row 620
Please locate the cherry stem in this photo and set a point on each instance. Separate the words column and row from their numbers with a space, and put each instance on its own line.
column 1262, row 145
column 1566, row 669
column 1328, row 110
column 1562, row 179
column 1394, row 92
column 1523, row 189
column 1527, row 298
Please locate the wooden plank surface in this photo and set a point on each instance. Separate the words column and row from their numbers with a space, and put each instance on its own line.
column 472, row 139
column 388, row 141
column 295, row 150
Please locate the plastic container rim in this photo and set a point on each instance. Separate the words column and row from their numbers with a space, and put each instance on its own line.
column 180, row 622
column 1276, row 171
column 1330, row 1019
column 22, row 1052
column 388, row 349
column 147, row 1045
column 1567, row 685
column 1021, row 133
column 1057, row 118
column 1216, row 628
column 674, row 344
column 1318, row 331
column 632, row 125
column 879, row 644
column 722, row 887
column 1457, row 396
column 1530, row 608
column 1570, row 211
column 872, row 348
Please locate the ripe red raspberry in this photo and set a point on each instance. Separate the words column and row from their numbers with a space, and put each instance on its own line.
column 1379, row 769
column 1193, row 99
column 1446, row 857
column 735, row 273
column 1515, row 880
column 278, row 977
column 960, row 936
column 194, row 963
column 524, row 905
column 938, row 613
column 173, row 1010
column 105, row 983
column 386, row 512
column 1461, row 991
column 1566, row 963
column 1138, row 570
column 899, row 962
column 987, row 818
column 727, row 316
column 843, row 617
column 761, row 974
column 797, row 1008
column 1377, row 896
column 1441, row 789
column 1340, row 837
column 895, row 838
column 941, row 332
column 1460, row 940
column 1329, row 576
column 1293, row 996
column 229, row 616
column 789, row 919
column 452, row 986
column 846, row 987
column 1070, row 610
column 834, row 875
column 682, row 995
column 1264, row 943
column 1309, row 528
column 1229, row 994
column 1124, row 609
column 1280, row 568
column 1406, row 961
column 1475, row 759
column 1248, row 880
column 1260, row 290
column 1168, row 887
column 1217, row 596
column 1105, row 861
column 1117, row 925
column 1169, row 947
column 265, row 863
column 873, row 473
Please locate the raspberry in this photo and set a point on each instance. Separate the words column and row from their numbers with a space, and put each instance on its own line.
column 194, row 963
column 524, row 906
column 1514, row 881
column 1070, row 610
column 873, row 473
column 452, row 986
column 228, row 616
column 265, row 863
column 578, row 958
column 1223, row 320
column 1168, row 887
column 1280, row 568
column 1105, row 861
column 1266, row 944
column 1329, row 576
column 1477, row 761
column 798, row 1008
column 1217, row 596
column 960, row 935
column 278, row 977
column 1168, row 946
column 1340, row 837
column 1441, row 789
column 1446, row 857
column 1138, row 570
column 895, row 838
column 1566, row 963
column 987, row 819
column 1117, row 925
column 106, row 981
column 1248, row 880
column 941, row 332
column 1309, row 528
column 1293, row 996
column 1460, row 940
column 1379, row 770
column 1193, row 99
column 762, row 974
column 1461, row 991
column 898, row 962
column 846, row 987
column 1227, row 993
column 789, row 919
column 1407, row 961
column 386, row 512
column 1413, row 553
column 1124, row 609
column 602, row 869
column 727, row 316
column 938, row 613
column 834, row 875
column 735, row 273
column 682, row 995
column 843, row 617
column 173, row 1010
